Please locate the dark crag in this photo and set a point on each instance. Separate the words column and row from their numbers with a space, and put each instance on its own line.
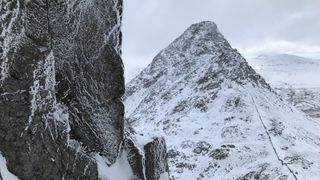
column 61, row 85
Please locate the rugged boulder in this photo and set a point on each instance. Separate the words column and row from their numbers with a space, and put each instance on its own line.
column 156, row 158
column 148, row 159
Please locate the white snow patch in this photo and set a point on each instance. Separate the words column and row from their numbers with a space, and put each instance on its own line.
column 164, row 176
column 4, row 172
column 120, row 170
column 143, row 140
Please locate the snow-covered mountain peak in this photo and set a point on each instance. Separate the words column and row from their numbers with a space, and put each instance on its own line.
column 200, row 54
column 205, row 30
column 203, row 26
column 221, row 120
column 200, row 38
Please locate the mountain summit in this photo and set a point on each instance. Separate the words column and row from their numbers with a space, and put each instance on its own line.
column 221, row 120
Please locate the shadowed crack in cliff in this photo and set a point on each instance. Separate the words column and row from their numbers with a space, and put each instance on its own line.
column 270, row 139
column 48, row 24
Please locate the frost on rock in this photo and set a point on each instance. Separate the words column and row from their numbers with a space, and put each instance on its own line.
column 61, row 84
column 43, row 90
column 220, row 119
column 10, row 33
column 61, row 87
column 155, row 153
column 148, row 159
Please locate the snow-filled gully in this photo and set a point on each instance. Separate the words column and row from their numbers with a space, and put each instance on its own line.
column 270, row 140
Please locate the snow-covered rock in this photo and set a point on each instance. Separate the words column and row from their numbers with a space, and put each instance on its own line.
column 220, row 119
column 305, row 99
column 146, row 156
column 61, row 84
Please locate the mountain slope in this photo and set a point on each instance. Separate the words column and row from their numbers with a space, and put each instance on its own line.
column 221, row 120
column 294, row 77
column 282, row 69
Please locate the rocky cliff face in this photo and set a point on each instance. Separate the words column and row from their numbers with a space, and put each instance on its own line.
column 221, row 120
column 61, row 84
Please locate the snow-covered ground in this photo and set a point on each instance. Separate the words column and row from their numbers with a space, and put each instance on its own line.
column 296, row 79
column 120, row 170
column 283, row 69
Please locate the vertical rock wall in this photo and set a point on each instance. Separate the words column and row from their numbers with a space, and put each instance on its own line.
column 60, row 86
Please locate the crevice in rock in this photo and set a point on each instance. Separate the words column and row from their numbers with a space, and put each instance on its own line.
column 48, row 25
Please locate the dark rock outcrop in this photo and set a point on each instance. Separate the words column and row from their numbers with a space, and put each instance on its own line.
column 156, row 158
column 148, row 161
column 61, row 84
column 135, row 158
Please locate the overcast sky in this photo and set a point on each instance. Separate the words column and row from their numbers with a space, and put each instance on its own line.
column 252, row 26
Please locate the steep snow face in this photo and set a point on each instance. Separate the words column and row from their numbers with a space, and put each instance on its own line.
column 221, row 120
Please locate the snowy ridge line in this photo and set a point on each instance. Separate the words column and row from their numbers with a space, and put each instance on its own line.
column 270, row 139
column 217, row 107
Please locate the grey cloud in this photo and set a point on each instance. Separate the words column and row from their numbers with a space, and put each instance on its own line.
column 150, row 25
